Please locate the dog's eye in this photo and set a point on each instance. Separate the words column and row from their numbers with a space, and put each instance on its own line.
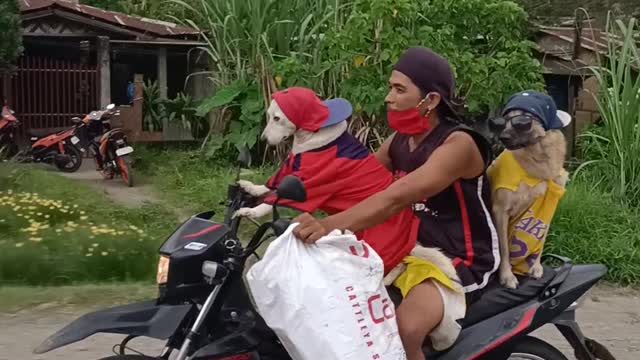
column 276, row 118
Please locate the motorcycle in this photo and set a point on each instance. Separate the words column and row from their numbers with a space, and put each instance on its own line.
column 109, row 147
column 60, row 149
column 8, row 126
column 204, row 311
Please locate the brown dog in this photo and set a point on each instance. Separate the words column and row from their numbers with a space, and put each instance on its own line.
column 527, row 179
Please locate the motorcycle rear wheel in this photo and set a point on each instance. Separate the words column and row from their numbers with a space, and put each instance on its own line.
column 124, row 163
column 531, row 348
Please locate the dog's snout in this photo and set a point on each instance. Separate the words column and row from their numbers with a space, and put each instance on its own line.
column 505, row 136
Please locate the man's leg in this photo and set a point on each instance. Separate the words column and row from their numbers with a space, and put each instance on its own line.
column 419, row 313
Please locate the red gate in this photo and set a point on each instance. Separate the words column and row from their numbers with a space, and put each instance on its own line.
column 47, row 93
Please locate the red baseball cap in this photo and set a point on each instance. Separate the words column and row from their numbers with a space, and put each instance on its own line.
column 306, row 111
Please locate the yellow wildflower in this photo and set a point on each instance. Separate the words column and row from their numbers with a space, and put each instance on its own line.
column 104, row 253
column 89, row 254
column 84, row 217
column 37, row 239
column 19, row 244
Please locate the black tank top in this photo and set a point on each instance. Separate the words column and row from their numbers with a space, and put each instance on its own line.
column 457, row 220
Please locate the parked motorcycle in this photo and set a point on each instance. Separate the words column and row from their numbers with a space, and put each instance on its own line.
column 204, row 312
column 8, row 126
column 61, row 149
column 109, row 146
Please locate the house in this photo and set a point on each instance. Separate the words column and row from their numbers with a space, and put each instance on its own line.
column 567, row 53
column 80, row 58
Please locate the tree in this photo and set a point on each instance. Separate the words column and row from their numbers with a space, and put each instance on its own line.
column 11, row 34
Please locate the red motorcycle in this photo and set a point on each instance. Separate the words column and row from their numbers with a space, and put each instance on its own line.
column 109, row 146
column 59, row 149
column 8, row 126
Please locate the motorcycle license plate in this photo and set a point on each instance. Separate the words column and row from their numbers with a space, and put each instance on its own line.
column 74, row 140
column 124, row 151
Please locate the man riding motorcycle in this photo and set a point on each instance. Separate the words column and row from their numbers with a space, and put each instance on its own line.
column 440, row 166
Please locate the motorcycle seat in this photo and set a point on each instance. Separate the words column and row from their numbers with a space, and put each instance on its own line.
column 40, row 133
column 496, row 299
column 499, row 299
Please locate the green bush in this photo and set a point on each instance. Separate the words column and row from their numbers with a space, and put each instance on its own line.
column 347, row 49
column 590, row 226
column 55, row 231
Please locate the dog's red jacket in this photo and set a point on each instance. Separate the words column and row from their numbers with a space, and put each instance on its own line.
column 339, row 175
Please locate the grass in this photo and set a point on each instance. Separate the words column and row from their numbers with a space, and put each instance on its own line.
column 55, row 231
column 593, row 227
column 16, row 298
column 189, row 180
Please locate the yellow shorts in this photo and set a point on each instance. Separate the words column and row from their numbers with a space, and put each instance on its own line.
column 455, row 307
column 419, row 270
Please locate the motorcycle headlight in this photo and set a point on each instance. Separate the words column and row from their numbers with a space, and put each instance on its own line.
column 163, row 270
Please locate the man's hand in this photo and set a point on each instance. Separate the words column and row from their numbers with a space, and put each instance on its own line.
column 309, row 229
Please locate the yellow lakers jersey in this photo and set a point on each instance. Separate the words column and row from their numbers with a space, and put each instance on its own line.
column 528, row 230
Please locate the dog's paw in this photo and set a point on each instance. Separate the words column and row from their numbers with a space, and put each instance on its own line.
column 246, row 212
column 536, row 271
column 508, row 280
column 253, row 189
column 562, row 179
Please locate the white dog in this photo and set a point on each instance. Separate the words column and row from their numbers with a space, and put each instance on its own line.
column 278, row 129
column 363, row 175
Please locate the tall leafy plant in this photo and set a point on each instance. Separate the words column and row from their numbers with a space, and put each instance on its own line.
column 616, row 145
column 347, row 49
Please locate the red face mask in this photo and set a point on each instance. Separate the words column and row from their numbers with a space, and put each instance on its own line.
column 408, row 122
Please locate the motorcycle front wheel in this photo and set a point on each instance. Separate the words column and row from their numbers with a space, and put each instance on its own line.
column 531, row 348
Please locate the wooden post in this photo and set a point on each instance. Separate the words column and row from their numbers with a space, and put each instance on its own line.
column 162, row 72
column 138, row 101
column 104, row 71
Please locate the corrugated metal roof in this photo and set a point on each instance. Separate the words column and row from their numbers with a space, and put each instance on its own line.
column 151, row 26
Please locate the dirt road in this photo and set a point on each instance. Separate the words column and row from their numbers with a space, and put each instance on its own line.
column 141, row 193
column 609, row 315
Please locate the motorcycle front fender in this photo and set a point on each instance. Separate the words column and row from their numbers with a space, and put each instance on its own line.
column 139, row 319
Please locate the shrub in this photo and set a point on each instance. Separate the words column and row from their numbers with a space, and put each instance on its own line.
column 614, row 146
column 347, row 49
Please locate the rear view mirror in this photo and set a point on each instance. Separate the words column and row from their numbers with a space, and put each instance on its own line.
column 244, row 157
column 292, row 188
